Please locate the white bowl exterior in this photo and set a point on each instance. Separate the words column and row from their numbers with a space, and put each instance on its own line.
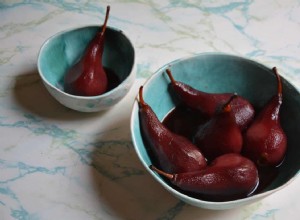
column 95, row 103
column 190, row 200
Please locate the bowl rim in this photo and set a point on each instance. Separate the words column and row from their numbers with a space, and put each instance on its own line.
column 168, row 187
column 106, row 94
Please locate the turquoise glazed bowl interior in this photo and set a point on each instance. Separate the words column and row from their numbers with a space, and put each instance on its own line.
column 64, row 49
column 217, row 73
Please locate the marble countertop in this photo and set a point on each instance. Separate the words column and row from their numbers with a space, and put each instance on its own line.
column 56, row 163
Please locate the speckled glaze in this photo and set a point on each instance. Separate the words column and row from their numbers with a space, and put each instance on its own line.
column 64, row 49
column 217, row 73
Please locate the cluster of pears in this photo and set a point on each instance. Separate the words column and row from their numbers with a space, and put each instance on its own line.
column 88, row 76
column 222, row 160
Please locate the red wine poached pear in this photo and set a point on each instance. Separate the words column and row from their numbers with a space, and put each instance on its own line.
column 88, row 76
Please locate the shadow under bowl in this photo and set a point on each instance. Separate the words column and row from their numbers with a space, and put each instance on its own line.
column 64, row 49
column 218, row 73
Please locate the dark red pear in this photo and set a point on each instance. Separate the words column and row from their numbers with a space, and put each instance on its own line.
column 88, row 77
column 230, row 176
column 220, row 134
column 173, row 153
column 265, row 141
column 208, row 102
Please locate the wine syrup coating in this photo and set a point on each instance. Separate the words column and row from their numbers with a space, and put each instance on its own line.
column 207, row 103
column 228, row 177
column 173, row 153
column 265, row 142
column 88, row 76
column 220, row 134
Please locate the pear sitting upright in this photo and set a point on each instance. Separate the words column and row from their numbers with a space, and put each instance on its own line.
column 88, row 77
column 173, row 153
column 220, row 134
column 265, row 141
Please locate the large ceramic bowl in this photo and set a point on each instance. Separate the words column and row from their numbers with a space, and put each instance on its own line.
column 217, row 73
column 62, row 50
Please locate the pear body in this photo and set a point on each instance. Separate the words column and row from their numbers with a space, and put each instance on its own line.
column 88, row 77
column 228, row 177
column 265, row 142
column 173, row 153
column 220, row 135
column 208, row 102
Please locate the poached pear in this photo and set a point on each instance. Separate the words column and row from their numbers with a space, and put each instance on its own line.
column 207, row 103
column 230, row 176
column 265, row 142
column 173, row 153
column 220, row 134
column 88, row 76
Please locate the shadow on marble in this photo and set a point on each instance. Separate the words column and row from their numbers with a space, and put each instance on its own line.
column 123, row 186
column 30, row 93
column 127, row 191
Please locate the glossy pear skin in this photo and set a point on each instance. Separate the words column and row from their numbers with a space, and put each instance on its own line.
column 174, row 153
column 229, row 176
column 265, row 142
column 208, row 102
column 88, row 77
column 220, row 134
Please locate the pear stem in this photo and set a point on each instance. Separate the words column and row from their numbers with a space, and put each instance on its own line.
column 141, row 98
column 105, row 21
column 170, row 76
column 167, row 175
column 227, row 107
column 279, row 83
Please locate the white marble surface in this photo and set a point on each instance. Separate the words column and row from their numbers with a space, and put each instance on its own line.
column 56, row 163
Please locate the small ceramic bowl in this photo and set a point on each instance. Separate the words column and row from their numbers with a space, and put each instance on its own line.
column 62, row 50
column 217, row 73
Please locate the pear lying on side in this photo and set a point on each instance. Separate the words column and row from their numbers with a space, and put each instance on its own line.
column 174, row 153
column 208, row 102
column 228, row 177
